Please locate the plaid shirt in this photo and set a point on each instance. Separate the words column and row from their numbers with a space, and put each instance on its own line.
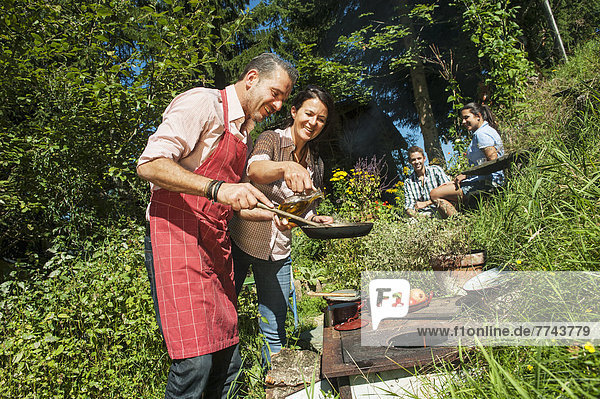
column 415, row 191
column 262, row 239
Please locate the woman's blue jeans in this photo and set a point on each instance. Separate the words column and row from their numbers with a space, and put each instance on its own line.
column 273, row 281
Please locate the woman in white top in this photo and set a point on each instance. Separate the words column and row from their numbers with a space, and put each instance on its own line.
column 283, row 162
column 486, row 145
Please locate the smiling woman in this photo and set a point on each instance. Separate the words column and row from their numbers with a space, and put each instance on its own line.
column 486, row 145
column 283, row 162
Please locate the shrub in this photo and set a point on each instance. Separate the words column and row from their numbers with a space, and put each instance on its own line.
column 86, row 329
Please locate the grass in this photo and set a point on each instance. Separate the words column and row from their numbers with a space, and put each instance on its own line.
column 547, row 218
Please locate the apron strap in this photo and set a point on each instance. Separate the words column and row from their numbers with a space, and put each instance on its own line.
column 225, row 110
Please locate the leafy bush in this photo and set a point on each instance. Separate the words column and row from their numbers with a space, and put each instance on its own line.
column 357, row 195
column 86, row 329
column 395, row 245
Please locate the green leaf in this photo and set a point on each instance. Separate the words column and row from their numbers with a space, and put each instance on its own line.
column 104, row 11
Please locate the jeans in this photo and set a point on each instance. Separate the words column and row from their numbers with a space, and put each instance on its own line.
column 273, row 281
column 149, row 262
column 205, row 376
column 216, row 374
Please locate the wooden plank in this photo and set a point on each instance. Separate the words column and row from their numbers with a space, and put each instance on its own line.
column 489, row 167
column 332, row 362
column 344, row 355
column 438, row 309
column 501, row 163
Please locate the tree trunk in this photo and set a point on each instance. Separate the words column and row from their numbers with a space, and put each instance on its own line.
column 431, row 137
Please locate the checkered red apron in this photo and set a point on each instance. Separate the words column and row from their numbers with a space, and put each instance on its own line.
column 192, row 258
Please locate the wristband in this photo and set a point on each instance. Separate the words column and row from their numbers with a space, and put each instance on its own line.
column 209, row 187
column 205, row 191
column 215, row 189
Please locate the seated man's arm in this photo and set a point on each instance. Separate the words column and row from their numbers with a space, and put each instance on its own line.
column 410, row 197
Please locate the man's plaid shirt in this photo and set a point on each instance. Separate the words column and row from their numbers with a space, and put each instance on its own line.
column 415, row 191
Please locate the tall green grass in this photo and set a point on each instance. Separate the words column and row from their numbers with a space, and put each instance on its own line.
column 546, row 218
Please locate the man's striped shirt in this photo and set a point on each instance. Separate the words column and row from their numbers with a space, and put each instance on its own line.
column 415, row 190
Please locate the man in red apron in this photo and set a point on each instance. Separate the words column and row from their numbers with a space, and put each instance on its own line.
column 194, row 162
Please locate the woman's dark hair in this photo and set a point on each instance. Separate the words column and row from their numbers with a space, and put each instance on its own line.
column 309, row 92
column 484, row 111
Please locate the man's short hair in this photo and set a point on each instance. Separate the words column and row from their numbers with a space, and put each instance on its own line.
column 267, row 63
column 415, row 148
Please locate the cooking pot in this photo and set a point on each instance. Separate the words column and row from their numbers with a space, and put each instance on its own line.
column 342, row 309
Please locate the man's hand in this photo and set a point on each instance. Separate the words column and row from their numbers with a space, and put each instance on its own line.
column 241, row 196
column 169, row 175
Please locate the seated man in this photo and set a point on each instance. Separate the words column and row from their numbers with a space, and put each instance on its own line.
column 418, row 185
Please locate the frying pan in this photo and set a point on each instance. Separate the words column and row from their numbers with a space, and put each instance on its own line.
column 324, row 231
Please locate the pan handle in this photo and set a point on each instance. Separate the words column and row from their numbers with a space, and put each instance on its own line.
column 288, row 215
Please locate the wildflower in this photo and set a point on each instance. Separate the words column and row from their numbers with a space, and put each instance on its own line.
column 405, row 170
column 589, row 347
column 519, row 261
column 457, row 141
column 529, row 367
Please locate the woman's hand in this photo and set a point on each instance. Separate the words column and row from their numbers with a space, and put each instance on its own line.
column 283, row 224
column 322, row 219
column 297, row 177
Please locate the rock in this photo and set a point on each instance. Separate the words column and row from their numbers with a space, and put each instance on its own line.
column 314, row 337
column 293, row 367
